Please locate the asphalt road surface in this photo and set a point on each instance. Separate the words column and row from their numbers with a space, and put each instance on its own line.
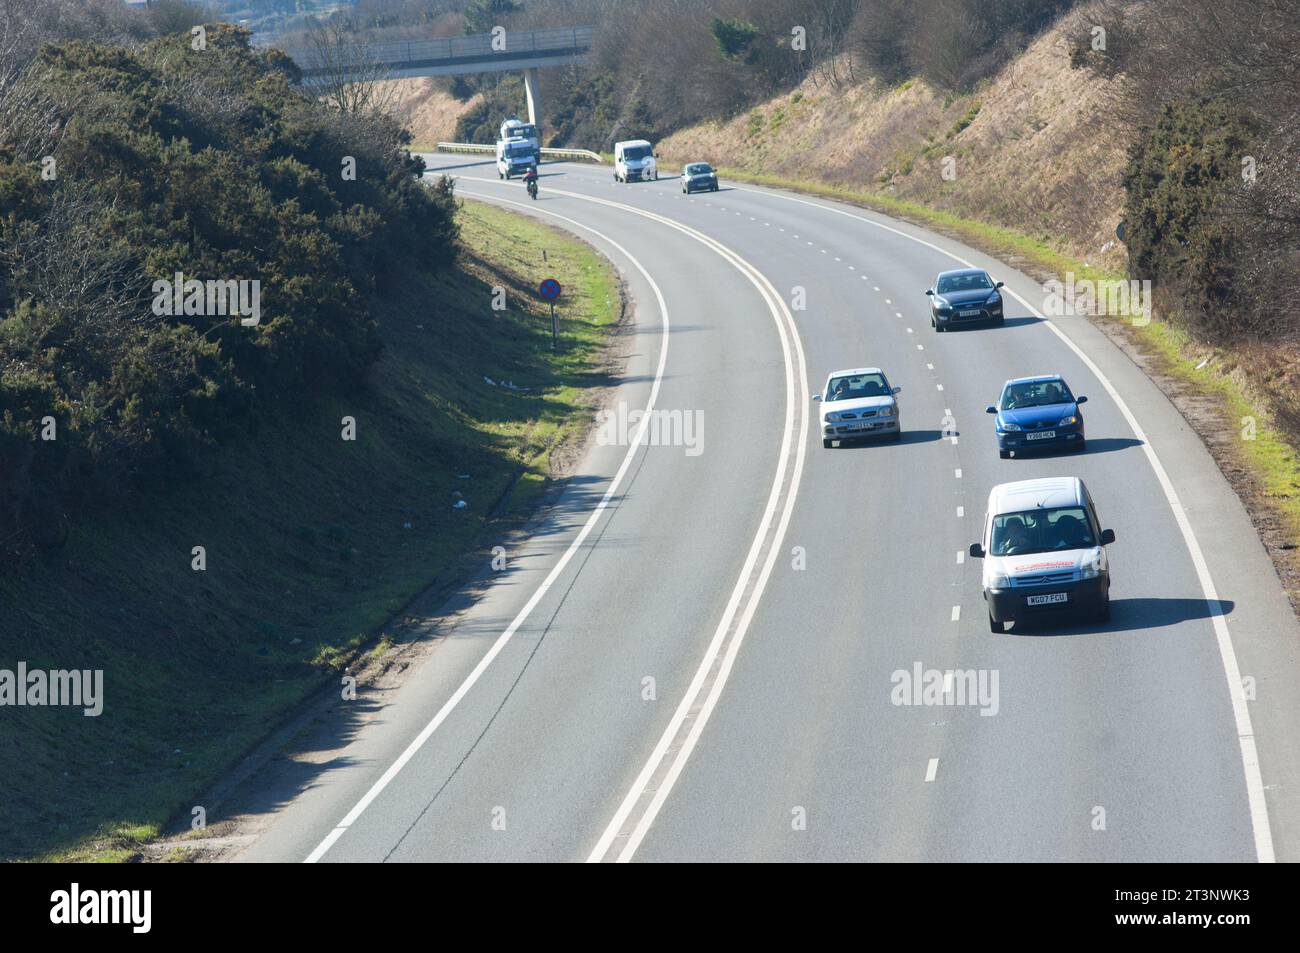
column 695, row 656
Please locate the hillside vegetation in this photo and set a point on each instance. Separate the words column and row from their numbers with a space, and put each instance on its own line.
column 222, row 515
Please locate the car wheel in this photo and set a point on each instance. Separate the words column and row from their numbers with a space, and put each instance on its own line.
column 1004, row 454
column 994, row 626
column 714, row 189
column 826, row 444
column 1002, row 320
column 898, row 435
column 1082, row 446
column 1103, row 613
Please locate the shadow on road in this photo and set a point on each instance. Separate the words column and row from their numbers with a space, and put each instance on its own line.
column 909, row 436
column 1129, row 615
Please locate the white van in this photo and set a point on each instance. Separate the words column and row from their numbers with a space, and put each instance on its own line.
column 1044, row 552
column 634, row 161
column 515, row 157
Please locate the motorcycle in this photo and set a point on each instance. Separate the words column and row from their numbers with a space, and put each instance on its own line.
column 532, row 187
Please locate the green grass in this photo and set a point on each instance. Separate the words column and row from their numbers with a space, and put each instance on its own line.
column 1272, row 456
column 312, row 542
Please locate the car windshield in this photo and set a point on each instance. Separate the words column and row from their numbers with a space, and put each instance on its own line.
column 975, row 281
column 699, row 168
column 1041, row 531
column 521, row 132
column 853, row 386
column 636, row 152
column 1035, row 394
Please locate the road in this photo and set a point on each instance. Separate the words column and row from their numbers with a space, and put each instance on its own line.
column 693, row 658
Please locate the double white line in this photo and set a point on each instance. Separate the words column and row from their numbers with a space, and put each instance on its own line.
column 642, row 803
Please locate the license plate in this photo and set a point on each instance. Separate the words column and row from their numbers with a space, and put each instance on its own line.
column 968, row 314
column 1041, row 435
column 858, row 426
column 1048, row 599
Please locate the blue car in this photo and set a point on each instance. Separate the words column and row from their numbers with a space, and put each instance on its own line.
column 1037, row 413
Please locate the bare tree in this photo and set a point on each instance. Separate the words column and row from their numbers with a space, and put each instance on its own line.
column 348, row 71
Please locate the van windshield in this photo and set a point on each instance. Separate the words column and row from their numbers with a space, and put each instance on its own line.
column 519, row 149
column 636, row 152
column 1041, row 531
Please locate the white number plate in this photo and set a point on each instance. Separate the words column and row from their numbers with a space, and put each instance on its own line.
column 968, row 314
column 858, row 426
column 1048, row 599
column 1041, row 435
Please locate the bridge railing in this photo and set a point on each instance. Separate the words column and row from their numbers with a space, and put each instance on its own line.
column 459, row 48
column 472, row 147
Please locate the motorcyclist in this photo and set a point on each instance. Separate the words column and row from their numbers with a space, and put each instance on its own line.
column 530, row 181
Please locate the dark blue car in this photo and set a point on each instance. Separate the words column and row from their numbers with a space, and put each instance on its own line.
column 1038, row 413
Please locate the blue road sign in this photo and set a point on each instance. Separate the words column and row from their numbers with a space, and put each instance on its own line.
column 549, row 289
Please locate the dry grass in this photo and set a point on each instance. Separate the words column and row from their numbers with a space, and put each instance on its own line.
column 1037, row 149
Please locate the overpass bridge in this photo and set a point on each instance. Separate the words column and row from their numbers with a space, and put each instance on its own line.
column 525, row 51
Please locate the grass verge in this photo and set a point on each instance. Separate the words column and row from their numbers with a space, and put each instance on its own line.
column 312, row 542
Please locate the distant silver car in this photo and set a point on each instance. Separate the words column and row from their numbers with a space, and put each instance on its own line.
column 699, row 177
column 859, row 403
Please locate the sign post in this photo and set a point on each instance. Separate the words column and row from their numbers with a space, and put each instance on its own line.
column 550, row 290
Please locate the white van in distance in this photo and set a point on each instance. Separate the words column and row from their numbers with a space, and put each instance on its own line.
column 634, row 161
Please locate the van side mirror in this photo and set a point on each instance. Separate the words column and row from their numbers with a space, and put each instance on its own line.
column 1080, row 400
column 929, row 291
column 976, row 551
column 1107, row 537
column 817, row 396
column 990, row 409
column 897, row 390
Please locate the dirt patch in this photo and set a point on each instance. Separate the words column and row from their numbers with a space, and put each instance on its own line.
column 425, row 107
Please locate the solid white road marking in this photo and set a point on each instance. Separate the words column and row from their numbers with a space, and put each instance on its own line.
column 1258, row 806
column 537, row 596
column 931, row 770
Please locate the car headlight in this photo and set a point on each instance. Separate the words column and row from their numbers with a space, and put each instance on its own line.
column 886, row 412
column 994, row 298
column 1009, row 426
column 1066, row 421
column 1091, row 567
column 941, row 302
column 828, row 419
column 999, row 581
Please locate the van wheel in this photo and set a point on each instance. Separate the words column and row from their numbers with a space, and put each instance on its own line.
column 998, row 627
column 1004, row 454
column 826, row 444
column 1103, row 614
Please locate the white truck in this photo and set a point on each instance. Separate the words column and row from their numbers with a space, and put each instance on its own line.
column 634, row 160
column 519, row 148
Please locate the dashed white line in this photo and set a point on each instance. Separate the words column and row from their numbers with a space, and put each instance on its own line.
column 957, row 473
column 931, row 770
column 961, row 512
column 956, row 613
